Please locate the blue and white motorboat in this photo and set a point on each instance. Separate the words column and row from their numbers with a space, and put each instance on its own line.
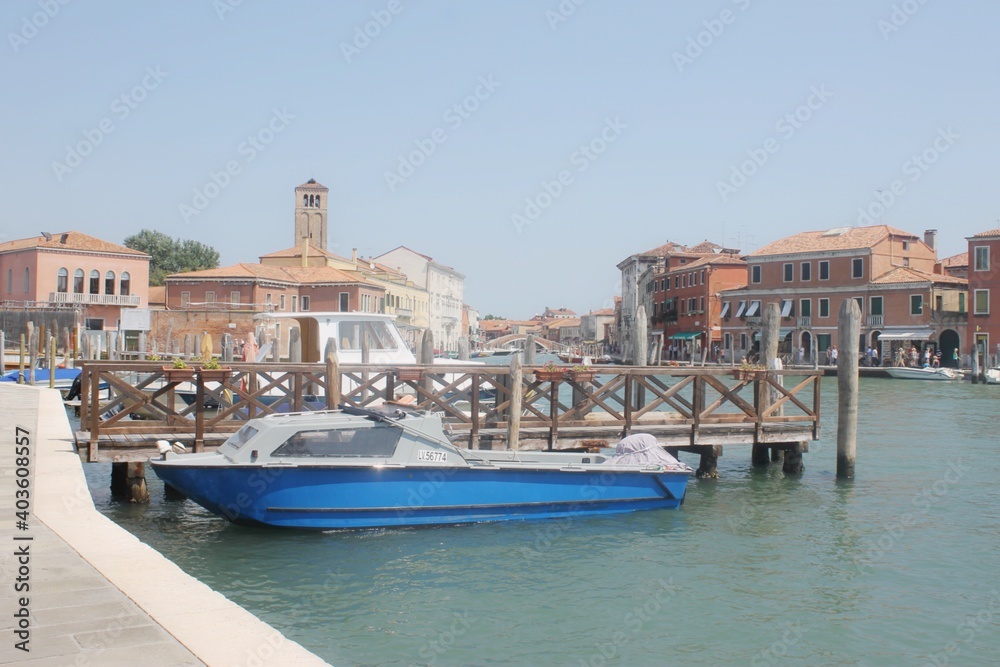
column 63, row 380
column 362, row 468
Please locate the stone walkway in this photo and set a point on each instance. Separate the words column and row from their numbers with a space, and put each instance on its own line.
column 98, row 596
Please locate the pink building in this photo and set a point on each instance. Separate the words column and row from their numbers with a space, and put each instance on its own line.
column 74, row 271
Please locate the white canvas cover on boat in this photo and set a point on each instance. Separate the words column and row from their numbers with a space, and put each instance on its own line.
column 642, row 449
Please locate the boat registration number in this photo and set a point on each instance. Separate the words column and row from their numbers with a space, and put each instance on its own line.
column 429, row 455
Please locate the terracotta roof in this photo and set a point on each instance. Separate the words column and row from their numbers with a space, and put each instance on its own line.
column 842, row 238
column 990, row 233
column 904, row 274
column 567, row 322
column 705, row 246
column 708, row 260
column 69, row 241
column 311, row 184
column 961, row 259
column 324, row 274
column 287, row 274
column 603, row 312
column 157, row 295
column 665, row 249
column 493, row 325
column 296, row 251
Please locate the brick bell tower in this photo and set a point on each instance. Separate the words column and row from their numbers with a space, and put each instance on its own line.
column 310, row 214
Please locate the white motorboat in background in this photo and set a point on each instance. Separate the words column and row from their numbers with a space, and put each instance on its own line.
column 905, row 373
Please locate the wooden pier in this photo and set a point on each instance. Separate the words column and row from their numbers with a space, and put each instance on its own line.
column 686, row 408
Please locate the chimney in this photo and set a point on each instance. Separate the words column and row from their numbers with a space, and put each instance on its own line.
column 930, row 238
column 354, row 257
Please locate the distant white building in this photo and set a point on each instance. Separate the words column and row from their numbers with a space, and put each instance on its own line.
column 444, row 287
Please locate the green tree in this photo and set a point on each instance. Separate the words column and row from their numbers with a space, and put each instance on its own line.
column 168, row 255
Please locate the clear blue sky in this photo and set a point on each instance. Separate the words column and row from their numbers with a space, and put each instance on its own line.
column 678, row 127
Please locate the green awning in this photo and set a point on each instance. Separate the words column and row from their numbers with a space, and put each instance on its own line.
column 686, row 335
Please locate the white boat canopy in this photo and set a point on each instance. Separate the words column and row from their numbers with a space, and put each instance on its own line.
column 912, row 334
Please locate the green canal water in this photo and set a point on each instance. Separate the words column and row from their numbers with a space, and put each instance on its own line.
column 897, row 567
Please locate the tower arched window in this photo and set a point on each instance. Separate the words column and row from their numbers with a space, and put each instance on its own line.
column 109, row 282
column 305, row 200
column 95, row 281
column 78, row 281
column 317, row 201
column 125, row 284
column 62, row 281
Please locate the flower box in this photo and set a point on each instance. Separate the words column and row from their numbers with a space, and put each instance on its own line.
column 171, row 374
column 749, row 374
column 548, row 376
column 214, row 374
column 409, row 374
column 582, row 376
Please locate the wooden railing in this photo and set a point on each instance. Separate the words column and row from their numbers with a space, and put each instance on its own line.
column 685, row 406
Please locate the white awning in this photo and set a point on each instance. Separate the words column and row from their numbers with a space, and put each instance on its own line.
column 913, row 334
column 786, row 308
column 739, row 311
column 725, row 309
column 752, row 310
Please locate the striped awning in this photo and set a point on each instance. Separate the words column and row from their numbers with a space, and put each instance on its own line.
column 686, row 335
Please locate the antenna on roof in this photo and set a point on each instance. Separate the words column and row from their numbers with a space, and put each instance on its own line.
column 48, row 237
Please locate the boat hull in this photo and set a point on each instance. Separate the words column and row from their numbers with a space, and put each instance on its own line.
column 939, row 374
column 327, row 497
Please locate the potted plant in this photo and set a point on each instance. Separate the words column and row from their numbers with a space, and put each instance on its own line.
column 213, row 371
column 749, row 371
column 581, row 373
column 549, row 373
column 178, row 371
column 409, row 374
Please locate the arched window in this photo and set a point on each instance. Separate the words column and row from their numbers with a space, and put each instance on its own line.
column 126, row 279
column 317, row 201
column 78, row 281
column 62, row 283
column 109, row 282
column 27, row 279
column 95, row 281
column 305, row 200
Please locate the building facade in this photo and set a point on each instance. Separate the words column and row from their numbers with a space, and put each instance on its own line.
column 71, row 270
column 890, row 273
column 984, row 287
column 444, row 286
column 310, row 214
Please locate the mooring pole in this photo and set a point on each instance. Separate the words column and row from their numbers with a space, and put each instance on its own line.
column 770, row 327
column 848, row 331
column 52, row 361
column 427, row 359
column 516, row 392
column 975, row 363
column 332, row 374
column 529, row 350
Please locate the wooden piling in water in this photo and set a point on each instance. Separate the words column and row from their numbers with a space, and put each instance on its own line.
column 529, row 350
column 516, row 394
column 975, row 363
column 708, row 467
column 426, row 358
column 849, row 328
column 332, row 374
column 770, row 329
column 463, row 348
column 639, row 344
column 52, row 362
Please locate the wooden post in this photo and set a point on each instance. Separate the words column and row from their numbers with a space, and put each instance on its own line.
column 295, row 346
column 20, row 362
column 32, row 351
column 848, row 330
column 529, row 350
column 770, row 330
column 708, row 467
column 639, row 345
column 975, row 362
column 463, row 348
column 136, row 479
column 366, row 358
column 516, row 393
column 142, row 346
column 52, row 362
column 793, row 460
column 3, row 352
column 427, row 358
column 332, row 375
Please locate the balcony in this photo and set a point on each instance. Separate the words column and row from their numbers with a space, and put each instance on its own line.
column 804, row 322
column 131, row 300
column 754, row 322
column 873, row 321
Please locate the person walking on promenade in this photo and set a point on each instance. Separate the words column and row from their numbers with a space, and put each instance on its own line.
column 833, row 355
column 955, row 358
column 901, row 358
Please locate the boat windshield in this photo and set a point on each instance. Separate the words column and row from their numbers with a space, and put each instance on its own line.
column 379, row 337
column 242, row 436
column 377, row 441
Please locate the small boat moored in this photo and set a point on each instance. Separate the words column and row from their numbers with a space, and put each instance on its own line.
column 361, row 468
column 926, row 373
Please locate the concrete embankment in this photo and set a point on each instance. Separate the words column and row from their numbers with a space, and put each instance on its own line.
column 90, row 591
